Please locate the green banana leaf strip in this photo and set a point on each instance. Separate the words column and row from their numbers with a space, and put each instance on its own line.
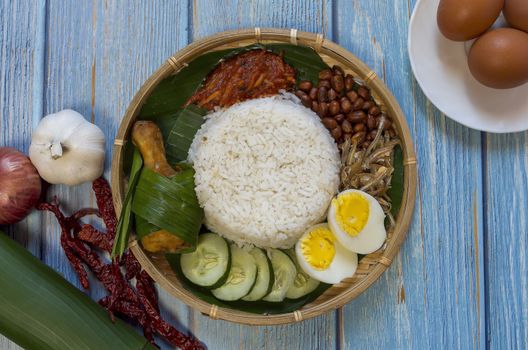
column 126, row 219
column 396, row 191
column 255, row 307
column 182, row 133
column 169, row 203
column 41, row 310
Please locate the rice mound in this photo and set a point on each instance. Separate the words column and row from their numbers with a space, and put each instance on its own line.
column 266, row 170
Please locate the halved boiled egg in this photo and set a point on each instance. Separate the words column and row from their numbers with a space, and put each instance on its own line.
column 357, row 221
column 322, row 257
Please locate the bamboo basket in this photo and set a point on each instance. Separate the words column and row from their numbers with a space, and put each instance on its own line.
column 370, row 267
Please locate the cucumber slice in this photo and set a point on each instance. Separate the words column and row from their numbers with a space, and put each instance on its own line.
column 208, row 266
column 284, row 271
column 242, row 276
column 264, row 281
column 302, row 284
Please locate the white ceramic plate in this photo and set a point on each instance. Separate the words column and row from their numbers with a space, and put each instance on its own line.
column 440, row 67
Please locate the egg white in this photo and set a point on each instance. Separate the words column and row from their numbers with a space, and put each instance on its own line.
column 343, row 265
column 371, row 237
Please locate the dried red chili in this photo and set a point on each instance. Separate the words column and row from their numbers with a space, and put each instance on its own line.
column 145, row 287
column 168, row 332
column 139, row 305
column 103, row 197
column 95, row 238
column 132, row 266
column 65, row 240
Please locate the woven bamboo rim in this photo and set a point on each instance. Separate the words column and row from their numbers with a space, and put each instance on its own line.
column 370, row 267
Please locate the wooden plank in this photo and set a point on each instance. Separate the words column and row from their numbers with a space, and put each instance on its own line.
column 99, row 54
column 132, row 40
column 21, row 73
column 212, row 16
column 209, row 17
column 430, row 295
column 506, row 240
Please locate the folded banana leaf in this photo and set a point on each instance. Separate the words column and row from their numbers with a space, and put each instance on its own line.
column 143, row 227
column 169, row 203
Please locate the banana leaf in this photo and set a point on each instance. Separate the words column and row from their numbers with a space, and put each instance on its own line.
column 126, row 219
column 144, row 228
column 41, row 310
column 255, row 307
column 306, row 62
column 169, row 203
column 172, row 93
column 182, row 134
column 396, row 191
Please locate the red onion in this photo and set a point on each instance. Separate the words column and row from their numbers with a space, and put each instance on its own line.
column 20, row 186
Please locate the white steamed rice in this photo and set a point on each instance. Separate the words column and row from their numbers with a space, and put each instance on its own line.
column 266, row 170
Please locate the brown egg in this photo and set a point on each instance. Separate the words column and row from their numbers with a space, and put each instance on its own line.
column 516, row 13
column 462, row 20
column 499, row 58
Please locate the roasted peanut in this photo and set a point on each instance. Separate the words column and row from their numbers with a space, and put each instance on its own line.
column 323, row 109
column 358, row 104
column 334, row 107
column 337, row 132
column 325, row 74
column 305, row 85
column 332, row 95
column 349, row 82
column 352, row 96
column 330, row 123
column 338, row 70
column 300, row 93
column 325, row 83
column 359, row 127
column 338, row 83
column 371, row 122
column 313, row 93
column 364, row 92
column 339, row 118
column 322, row 95
column 357, row 117
column 374, row 111
column 306, row 101
column 346, row 105
column 315, row 106
column 346, row 126
column 367, row 105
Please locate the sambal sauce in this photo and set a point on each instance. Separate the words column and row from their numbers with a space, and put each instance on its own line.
column 250, row 75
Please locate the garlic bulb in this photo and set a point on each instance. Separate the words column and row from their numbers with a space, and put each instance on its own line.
column 67, row 149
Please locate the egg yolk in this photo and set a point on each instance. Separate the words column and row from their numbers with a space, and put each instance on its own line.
column 351, row 212
column 318, row 248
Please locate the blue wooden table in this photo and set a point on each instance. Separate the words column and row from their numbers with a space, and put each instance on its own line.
column 461, row 277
